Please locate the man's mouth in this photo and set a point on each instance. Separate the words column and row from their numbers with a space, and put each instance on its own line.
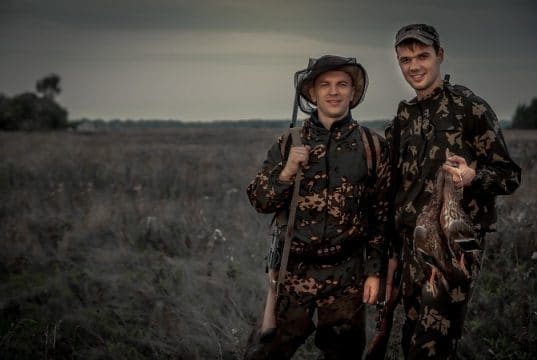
column 417, row 77
column 333, row 102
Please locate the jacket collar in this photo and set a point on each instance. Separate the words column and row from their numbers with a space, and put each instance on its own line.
column 339, row 130
column 434, row 95
column 335, row 126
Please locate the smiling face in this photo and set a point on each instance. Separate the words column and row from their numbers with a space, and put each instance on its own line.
column 420, row 66
column 332, row 92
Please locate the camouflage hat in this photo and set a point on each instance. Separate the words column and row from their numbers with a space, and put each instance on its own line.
column 305, row 79
column 424, row 33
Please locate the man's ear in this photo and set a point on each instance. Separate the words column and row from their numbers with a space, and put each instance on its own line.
column 313, row 98
column 440, row 55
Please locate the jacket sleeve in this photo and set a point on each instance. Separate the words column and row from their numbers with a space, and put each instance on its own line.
column 266, row 192
column 496, row 172
column 379, row 230
column 395, row 242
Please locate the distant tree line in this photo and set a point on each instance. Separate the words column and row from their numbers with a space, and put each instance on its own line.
column 31, row 111
column 99, row 124
column 526, row 116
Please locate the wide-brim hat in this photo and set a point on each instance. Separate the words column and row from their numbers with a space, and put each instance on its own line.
column 305, row 79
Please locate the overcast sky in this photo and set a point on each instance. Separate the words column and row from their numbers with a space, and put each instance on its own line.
column 223, row 59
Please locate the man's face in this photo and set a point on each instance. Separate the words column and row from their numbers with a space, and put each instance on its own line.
column 421, row 67
column 332, row 92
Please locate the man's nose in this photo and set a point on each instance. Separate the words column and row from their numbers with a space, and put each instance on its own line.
column 414, row 64
column 334, row 89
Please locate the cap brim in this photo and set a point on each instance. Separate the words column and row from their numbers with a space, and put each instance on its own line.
column 420, row 38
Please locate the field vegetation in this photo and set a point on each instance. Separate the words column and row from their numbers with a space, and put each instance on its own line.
column 142, row 244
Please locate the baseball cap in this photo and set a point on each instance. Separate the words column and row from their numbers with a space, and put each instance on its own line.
column 424, row 33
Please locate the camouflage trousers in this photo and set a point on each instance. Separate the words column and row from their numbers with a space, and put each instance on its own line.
column 434, row 310
column 339, row 333
column 330, row 293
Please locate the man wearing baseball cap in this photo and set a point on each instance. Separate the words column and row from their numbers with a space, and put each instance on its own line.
column 444, row 127
column 338, row 237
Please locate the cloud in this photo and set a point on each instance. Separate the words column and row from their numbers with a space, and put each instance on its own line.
column 485, row 25
column 346, row 20
column 134, row 57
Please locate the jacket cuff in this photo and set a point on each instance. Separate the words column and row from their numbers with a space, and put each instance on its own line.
column 373, row 262
column 480, row 183
column 280, row 187
column 395, row 245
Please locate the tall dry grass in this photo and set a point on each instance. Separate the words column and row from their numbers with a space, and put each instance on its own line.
column 142, row 244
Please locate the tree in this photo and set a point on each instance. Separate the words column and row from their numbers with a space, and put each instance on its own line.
column 49, row 86
column 27, row 111
column 49, row 114
column 4, row 103
column 526, row 116
column 20, row 112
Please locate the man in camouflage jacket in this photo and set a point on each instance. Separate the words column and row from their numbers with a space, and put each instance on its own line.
column 444, row 126
column 341, row 214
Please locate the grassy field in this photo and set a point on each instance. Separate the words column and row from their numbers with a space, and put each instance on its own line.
column 142, row 244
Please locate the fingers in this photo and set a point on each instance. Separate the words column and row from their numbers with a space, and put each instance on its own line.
column 467, row 175
column 452, row 170
column 456, row 173
column 457, row 159
column 371, row 289
column 373, row 293
column 463, row 175
column 370, row 295
column 299, row 154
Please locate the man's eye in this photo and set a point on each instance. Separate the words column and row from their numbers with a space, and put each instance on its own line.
column 403, row 60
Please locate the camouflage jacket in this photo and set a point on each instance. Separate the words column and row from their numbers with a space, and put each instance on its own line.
column 338, row 210
column 452, row 121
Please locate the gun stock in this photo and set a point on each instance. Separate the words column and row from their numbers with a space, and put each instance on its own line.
column 378, row 345
column 268, row 326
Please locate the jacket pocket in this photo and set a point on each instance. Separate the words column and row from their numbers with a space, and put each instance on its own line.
column 448, row 138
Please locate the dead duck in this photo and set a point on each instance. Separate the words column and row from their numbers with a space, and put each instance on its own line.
column 440, row 228
column 455, row 224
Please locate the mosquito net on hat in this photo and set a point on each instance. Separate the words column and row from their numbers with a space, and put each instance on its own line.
column 305, row 79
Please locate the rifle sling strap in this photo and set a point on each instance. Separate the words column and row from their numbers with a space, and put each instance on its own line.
column 372, row 151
